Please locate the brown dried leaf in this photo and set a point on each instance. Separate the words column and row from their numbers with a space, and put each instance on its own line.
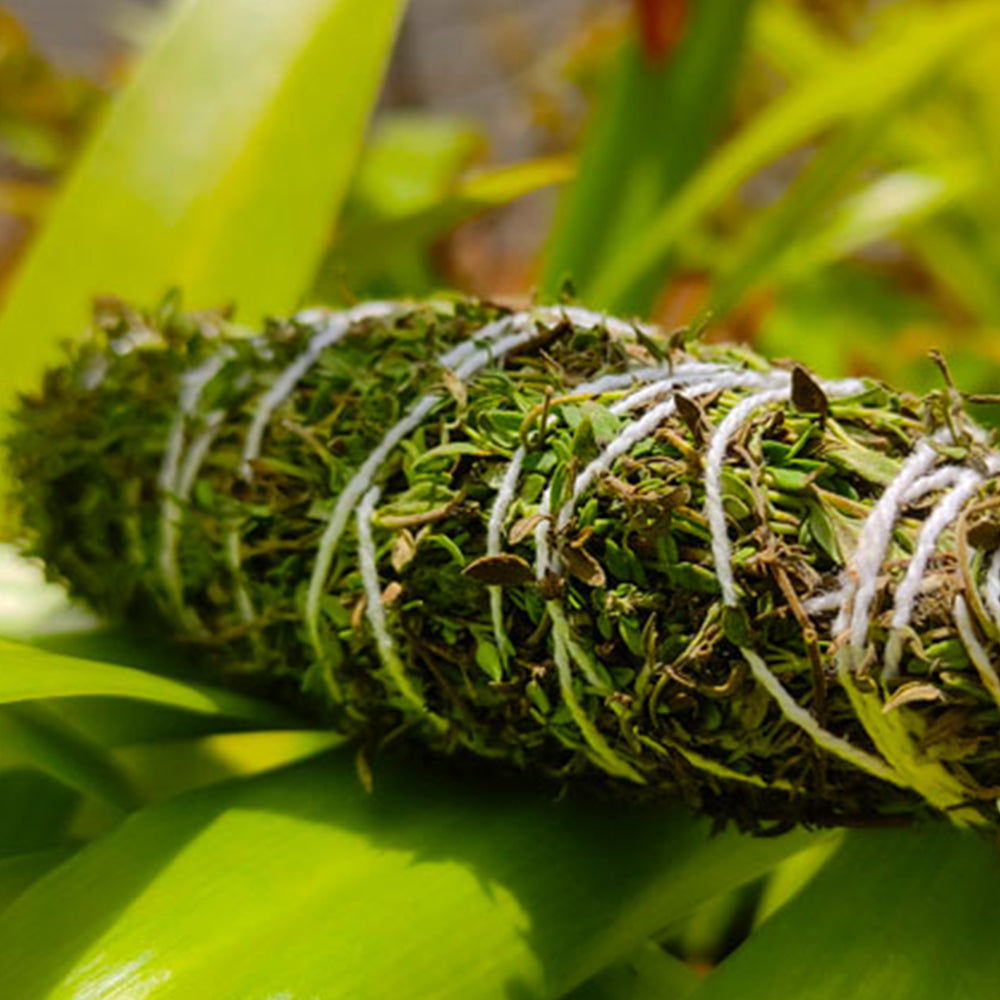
column 915, row 692
column 693, row 416
column 807, row 394
column 505, row 570
column 985, row 535
column 584, row 566
column 456, row 388
column 404, row 548
column 521, row 529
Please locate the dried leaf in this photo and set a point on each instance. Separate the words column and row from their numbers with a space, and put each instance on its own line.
column 456, row 388
column 693, row 416
column 584, row 566
column 916, row 692
column 522, row 528
column 985, row 534
column 404, row 548
column 807, row 395
column 505, row 570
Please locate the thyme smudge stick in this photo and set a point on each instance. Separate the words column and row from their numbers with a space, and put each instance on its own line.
column 552, row 538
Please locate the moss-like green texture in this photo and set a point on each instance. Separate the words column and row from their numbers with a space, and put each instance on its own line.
column 658, row 697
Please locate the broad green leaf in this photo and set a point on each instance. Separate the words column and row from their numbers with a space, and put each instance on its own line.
column 649, row 973
column 42, row 740
column 895, row 915
column 220, row 168
column 882, row 74
column 649, row 135
column 301, row 884
column 29, row 674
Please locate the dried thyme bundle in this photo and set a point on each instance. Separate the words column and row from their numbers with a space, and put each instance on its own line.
column 550, row 538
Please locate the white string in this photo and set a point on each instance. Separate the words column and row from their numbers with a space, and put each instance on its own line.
column 470, row 362
column 663, row 376
column 374, row 610
column 836, row 600
column 176, row 476
column 336, row 326
column 949, row 506
column 193, row 384
column 633, row 434
column 715, row 457
column 494, row 532
column 862, row 577
column 693, row 373
column 579, row 316
column 944, row 513
column 943, row 479
column 801, row 717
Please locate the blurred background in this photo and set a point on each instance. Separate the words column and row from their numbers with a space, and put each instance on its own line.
column 817, row 178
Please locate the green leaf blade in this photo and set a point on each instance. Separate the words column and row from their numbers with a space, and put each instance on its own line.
column 306, row 885
column 29, row 674
column 895, row 915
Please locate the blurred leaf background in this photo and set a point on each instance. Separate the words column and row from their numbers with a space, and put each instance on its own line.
column 817, row 178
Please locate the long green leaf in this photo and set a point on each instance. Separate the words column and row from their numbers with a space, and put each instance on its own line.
column 220, row 168
column 901, row 915
column 881, row 76
column 649, row 135
column 46, row 742
column 301, row 884
column 29, row 674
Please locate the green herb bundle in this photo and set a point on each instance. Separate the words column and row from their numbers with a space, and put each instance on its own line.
column 561, row 541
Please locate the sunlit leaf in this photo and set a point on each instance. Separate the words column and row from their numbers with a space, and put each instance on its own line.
column 219, row 168
column 895, row 915
column 29, row 674
column 302, row 884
